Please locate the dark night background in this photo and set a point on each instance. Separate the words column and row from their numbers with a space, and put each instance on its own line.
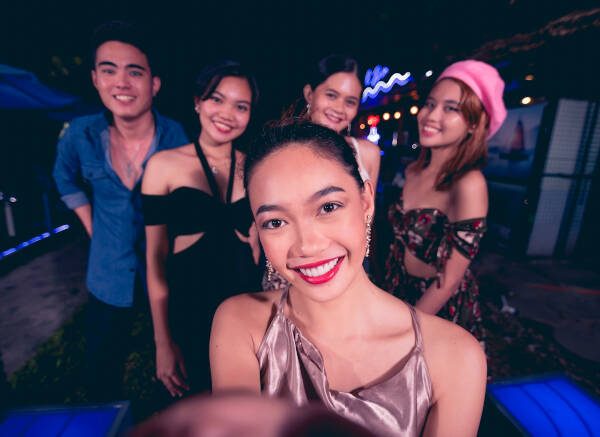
column 280, row 41
column 555, row 41
column 277, row 39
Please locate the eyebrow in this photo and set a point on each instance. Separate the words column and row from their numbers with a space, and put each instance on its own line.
column 223, row 96
column 112, row 64
column 445, row 101
column 313, row 198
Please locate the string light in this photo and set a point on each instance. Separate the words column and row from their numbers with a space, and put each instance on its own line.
column 414, row 109
column 529, row 77
column 526, row 100
column 397, row 115
column 362, row 126
column 386, row 116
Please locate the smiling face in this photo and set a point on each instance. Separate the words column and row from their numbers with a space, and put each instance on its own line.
column 311, row 217
column 334, row 103
column 441, row 122
column 123, row 79
column 225, row 114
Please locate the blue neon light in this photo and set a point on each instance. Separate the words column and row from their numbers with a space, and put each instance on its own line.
column 33, row 240
column 8, row 252
column 60, row 229
column 549, row 407
column 395, row 79
column 375, row 75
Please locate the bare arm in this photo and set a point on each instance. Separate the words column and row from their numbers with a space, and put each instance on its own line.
column 459, row 378
column 470, row 201
column 84, row 213
column 233, row 361
column 170, row 368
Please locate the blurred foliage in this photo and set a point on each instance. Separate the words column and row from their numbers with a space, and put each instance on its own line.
column 56, row 374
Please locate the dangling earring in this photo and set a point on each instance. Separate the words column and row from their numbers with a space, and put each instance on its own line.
column 349, row 129
column 197, row 108
column 368, row 250
column 307, row 109
column 270, row 270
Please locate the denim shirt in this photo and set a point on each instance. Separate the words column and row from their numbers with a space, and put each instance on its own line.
column 117, row 249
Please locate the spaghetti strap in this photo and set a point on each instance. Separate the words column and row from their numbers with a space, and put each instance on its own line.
column 416, row 327
column 283, row 299
column 209, row 174
column 361, row 168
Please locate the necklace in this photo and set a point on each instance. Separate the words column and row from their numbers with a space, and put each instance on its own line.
column 213, row 167
column 129, row 163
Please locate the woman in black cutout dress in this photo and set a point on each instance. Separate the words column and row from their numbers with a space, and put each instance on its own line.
column 201, row 242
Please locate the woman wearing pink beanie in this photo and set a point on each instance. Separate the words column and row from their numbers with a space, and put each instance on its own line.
column 439, row 219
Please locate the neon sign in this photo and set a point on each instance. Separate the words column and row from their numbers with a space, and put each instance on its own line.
column 375, row 75
column 375, row 83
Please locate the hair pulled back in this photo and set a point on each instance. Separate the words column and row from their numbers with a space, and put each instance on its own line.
column 326, row 67
column 330, row 65
column 210, row 77
column 323, row 141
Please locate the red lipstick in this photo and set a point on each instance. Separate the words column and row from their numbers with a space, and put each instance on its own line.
column 316, row 280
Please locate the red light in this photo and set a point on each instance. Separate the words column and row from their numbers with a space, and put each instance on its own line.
column 372, row 120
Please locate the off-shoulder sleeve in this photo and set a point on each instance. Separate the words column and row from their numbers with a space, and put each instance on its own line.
column 155, row 209
column 466, row 235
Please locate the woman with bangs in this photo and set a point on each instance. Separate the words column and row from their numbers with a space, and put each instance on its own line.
column 440, row 217
column 201, row 242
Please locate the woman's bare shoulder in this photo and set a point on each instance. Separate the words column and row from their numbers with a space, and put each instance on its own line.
column 470, row 195
column 161, row 167
column 164, row 159
column 367, row 148
column 250, row 311
column 452, row 354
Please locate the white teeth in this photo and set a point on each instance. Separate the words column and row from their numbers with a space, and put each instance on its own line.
column 430, row 129
column 320, row 270
column 125, row 98
column 222, row 126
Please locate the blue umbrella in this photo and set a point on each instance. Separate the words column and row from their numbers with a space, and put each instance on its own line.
column 20, row 89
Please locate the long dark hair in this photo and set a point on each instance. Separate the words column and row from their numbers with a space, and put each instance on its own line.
column 321, row 140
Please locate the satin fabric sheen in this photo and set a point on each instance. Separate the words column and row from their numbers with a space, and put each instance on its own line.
column 292, row 368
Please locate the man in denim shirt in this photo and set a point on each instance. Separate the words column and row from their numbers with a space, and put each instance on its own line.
column 108, row 152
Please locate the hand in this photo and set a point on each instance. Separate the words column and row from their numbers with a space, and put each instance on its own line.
column 170, row 369
column 239, row 413
column 252, row 240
